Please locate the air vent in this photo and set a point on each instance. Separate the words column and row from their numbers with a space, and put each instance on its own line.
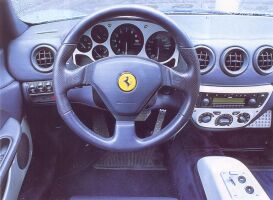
column 263, row 60
column 206, row 58
column 43, row 58
column 234, row 61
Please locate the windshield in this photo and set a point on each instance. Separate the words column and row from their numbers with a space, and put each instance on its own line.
column 41, row 11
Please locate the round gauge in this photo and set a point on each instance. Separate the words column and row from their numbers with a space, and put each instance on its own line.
column 126, row 39
column 160, row 46
column 99, row 33
column 100, row 52
column 85, row 44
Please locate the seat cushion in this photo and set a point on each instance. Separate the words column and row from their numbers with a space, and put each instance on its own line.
column 120, row 198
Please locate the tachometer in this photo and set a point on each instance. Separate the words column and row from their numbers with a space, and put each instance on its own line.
column 99, row 52
column 85, row 44
column 160, row 46
column 99, row 33
column 126, row 39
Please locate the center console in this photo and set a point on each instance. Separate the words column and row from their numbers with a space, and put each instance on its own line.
column 228, row 178
column 230, row 107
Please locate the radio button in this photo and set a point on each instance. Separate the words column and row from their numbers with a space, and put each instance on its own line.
column 205, row 102
column 263, row 97
column 252, row 102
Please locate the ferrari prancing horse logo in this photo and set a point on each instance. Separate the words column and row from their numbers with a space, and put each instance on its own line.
column 127, row 82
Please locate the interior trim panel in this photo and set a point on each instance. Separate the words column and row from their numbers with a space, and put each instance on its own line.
column 232, row 115
column 213, row 80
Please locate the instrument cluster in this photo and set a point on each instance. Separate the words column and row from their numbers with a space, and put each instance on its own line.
column 126, row 37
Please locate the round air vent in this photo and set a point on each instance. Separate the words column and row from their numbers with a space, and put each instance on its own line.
column 234, row 61
column 263, row 60
column 43, row 58
column 206, row 58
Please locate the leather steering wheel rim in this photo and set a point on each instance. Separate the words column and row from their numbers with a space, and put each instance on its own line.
column 124, row 138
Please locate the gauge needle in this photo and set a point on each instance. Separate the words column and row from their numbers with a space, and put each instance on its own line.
column 97, row 53
column 82, row 45
column 126, row 47
column 157, row 53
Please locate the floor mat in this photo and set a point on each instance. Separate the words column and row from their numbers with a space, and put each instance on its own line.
column 150, row 159
column 265, row 178
column 94, row 182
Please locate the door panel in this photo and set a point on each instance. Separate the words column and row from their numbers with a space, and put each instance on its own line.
column 15, row 138
column 20, row 163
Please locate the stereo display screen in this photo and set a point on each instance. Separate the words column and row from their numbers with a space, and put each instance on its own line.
column 219, row 100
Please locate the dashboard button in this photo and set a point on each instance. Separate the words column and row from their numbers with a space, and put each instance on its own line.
column 242, row 179
column 216, row 112
column 32, row 88
column 48, row 86
column 40, row 87
column 236, row 113
column 249, row 189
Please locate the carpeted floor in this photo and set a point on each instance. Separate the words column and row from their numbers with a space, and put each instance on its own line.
column 94, row 182
column 64, row 166
column 265, row 178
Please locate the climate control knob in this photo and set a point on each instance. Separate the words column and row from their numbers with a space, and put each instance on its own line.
column 243, row 118
column 205, row 117
column 224, row 120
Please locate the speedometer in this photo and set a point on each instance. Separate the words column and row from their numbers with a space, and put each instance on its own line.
column 126, row 39
column 160, row 46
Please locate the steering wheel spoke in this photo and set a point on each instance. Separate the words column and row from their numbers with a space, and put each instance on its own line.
column 74, row 78
column 179, row 81
column 125, row 134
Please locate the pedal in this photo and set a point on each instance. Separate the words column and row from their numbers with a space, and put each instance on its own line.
column 160, row 120
column 143, row 115
column 99, row 124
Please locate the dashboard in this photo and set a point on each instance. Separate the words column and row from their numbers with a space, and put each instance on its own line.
column 126, row 37
column 236, row 61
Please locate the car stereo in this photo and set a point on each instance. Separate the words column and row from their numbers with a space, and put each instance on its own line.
column 230, row 107
column 241, row 100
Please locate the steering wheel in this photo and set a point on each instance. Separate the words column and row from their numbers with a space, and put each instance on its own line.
column 126, row 83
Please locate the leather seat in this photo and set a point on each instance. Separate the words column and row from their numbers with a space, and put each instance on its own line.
column 120, row 198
